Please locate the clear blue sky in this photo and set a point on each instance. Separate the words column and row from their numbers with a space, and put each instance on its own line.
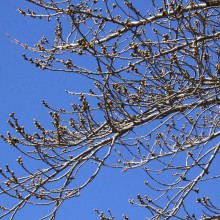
column 22, row 88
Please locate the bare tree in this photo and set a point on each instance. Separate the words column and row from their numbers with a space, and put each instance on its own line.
column 153, row 104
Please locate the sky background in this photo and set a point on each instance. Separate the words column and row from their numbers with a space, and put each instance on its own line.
column 22, row 88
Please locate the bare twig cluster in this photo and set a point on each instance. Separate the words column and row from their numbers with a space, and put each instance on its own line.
column 153, row 104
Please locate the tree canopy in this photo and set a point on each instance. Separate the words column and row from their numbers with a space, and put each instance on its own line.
column 153, row 104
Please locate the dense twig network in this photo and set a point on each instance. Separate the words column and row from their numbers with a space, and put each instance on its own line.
column 153, row 66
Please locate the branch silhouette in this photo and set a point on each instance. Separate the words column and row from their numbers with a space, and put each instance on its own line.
column 153, row 104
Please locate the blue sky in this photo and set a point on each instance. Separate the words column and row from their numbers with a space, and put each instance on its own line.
column 22, row 88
